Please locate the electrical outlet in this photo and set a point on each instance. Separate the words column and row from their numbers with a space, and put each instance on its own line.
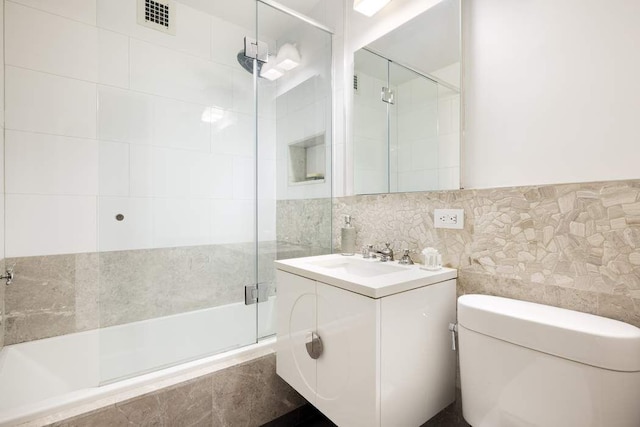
column 448, row 218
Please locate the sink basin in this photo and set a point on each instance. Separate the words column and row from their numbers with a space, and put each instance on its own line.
column 368, row 277
column 357, row 267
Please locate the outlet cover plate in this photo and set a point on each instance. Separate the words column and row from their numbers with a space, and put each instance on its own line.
column 448, row 218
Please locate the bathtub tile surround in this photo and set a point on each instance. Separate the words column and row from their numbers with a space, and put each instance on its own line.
column 60, row 294
column 575, row 246
column 311, row 222
column 249, row 394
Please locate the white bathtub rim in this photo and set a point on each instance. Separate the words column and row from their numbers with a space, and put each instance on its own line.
column 89, row 399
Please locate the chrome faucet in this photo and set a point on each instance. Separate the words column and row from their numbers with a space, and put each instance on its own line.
column 386, row 254
column 406, row 258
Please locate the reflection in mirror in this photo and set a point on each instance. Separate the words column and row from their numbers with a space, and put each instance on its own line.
column 406, row 106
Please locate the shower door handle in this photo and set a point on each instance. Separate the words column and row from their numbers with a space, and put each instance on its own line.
column 314, row 345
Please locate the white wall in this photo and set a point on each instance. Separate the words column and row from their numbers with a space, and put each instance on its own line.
column 552, row 91
column 104, row 116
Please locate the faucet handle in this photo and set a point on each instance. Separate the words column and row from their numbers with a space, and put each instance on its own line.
column 406, row 257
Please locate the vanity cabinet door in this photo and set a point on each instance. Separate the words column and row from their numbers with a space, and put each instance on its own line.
column 347, row 371
column 418, row 365
column 296, row 319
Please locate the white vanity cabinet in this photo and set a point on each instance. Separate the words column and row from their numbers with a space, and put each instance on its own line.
column 385, row 360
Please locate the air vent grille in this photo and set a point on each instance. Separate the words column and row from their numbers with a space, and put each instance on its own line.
column 355, row 83
column 157, row 14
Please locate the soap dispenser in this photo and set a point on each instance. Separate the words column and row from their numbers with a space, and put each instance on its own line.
column 348, row 236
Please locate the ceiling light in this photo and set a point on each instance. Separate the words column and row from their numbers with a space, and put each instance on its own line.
column 369, row 7
column 288, row 57
column 270, row 72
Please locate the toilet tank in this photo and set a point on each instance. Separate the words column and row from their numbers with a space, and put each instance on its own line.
column 526, row 364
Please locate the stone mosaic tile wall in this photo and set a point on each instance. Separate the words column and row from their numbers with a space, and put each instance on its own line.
column 250, row 394
column 573, row 245
column 61, row 294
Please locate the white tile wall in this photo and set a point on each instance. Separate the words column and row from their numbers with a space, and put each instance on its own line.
column 41, row 41
column 113, row 169
column 39, row 224
column 165, row 72
column 49, row 164
column 232, row 221
column 234, row 135
column 193, row 28
column 113, row 58
column 179, row 124
column 135, row 231
column 105, row 117
column 225, row 49
column 124, row 115
column 244, row 186
column 182, row 221
column 41, row 102
column 79, row 10
column 141, row 170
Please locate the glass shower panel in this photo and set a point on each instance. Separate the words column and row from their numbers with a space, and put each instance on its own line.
column 373, row 159
column 177, row 196
column 294, row 148
column 413, row 136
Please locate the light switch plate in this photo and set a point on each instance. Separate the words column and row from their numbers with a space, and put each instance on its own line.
column 448, row 218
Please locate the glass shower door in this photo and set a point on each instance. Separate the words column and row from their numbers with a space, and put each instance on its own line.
column 177, row 200
column 294, row 123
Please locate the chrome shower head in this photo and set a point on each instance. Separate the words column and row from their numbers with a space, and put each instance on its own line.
column 247, row 63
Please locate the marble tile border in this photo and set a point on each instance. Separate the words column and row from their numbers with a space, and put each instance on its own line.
column 196, row 397
column 61, row 294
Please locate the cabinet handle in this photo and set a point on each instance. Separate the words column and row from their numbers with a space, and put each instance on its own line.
column 314, row 345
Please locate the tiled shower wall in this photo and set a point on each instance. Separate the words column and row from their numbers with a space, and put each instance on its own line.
column 575, row 246
column 126, row 119
column 123, row 119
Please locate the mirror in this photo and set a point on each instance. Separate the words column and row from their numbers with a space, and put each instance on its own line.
column 406, row 106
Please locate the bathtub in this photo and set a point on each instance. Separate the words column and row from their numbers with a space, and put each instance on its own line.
column 79, row 372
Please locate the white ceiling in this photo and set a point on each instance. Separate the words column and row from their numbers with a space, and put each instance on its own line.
column 243, row 13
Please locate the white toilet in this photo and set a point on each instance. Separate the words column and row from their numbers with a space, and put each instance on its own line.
column 525, row 364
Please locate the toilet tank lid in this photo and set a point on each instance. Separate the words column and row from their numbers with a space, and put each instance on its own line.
column 582, row 337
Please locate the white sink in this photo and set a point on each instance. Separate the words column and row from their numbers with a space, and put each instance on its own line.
column 369, row 277
column 357, row 267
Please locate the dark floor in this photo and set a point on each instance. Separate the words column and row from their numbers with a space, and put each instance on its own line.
column 308, row 416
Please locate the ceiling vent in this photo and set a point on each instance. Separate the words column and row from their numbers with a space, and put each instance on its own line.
column 157, row 14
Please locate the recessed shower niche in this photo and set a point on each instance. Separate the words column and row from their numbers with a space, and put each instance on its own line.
column 307, row 160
